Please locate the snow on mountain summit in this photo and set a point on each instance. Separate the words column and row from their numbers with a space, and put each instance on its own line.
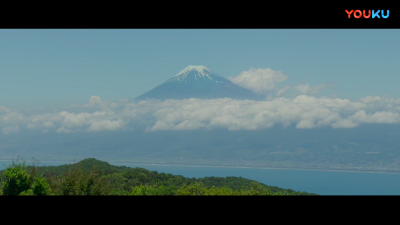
column 200, row 69
column 196, row 71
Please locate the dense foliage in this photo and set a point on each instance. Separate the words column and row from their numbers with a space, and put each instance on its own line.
column 94, row 177
column 16, row 179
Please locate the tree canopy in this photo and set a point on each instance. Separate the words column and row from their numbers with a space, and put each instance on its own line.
column 94, row 177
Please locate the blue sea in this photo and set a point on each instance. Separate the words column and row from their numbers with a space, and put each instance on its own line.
column 312, row 181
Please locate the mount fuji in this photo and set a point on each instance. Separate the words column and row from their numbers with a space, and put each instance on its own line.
column 198, row 82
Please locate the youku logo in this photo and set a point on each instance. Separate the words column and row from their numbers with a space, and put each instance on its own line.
column 367, row 14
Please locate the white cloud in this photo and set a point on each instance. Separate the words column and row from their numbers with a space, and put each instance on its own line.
column 380, row 100
column 335, row 104
column 31, row 126
column 106, row 125
column 63, row 130
column 305, row 112
column 13, row 117
column 303, row 89
column 283, row 90
column 369, row 99
column 344, row 123
column 306, row 123
column 48, row 124
column 10, row 129
column 4, row 109
column 263, row 81
column 46, row 120
column 378, row 117
column 95, row 101
column 259, row 80
column 75, row 120
column 306, row 88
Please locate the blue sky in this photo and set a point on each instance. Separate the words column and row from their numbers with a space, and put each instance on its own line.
column 58, row 68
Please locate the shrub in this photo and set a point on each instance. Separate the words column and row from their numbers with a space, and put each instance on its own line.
column 153, row 190
column 40, row 186
column 78, row 182
column 194, row 189
column 15, row 179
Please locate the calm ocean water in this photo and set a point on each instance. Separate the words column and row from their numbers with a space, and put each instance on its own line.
column 319, row 182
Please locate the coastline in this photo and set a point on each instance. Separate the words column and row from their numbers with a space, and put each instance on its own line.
column 244, row 167
column 238, row 167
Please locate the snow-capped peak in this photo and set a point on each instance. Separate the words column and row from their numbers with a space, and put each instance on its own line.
column 196, row 72
column 200, row 69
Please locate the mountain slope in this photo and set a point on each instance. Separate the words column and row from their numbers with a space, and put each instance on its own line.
column 198, row 82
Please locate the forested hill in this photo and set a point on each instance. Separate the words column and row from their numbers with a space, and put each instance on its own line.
column 106, row 179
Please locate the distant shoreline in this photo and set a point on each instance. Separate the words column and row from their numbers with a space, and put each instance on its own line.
column 242, row 167
column 267, row 168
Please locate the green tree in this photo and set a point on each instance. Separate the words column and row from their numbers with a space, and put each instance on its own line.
column 195, row 189
column 15, row 179
column 40, row 186
column 78, row 182
column 153, row 190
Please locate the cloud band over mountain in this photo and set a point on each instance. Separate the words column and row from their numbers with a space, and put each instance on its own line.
column 189, row 114
column 303, row 111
